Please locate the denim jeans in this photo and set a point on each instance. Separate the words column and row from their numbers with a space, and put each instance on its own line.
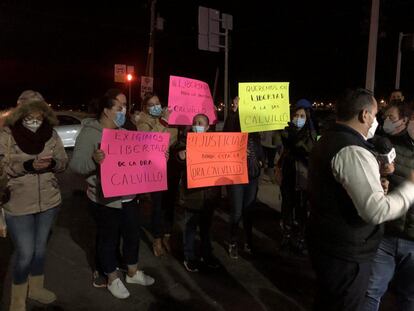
column 243, row 199
column 112, row 224
column 198, row 218
column 29, row 234
column 394, row 259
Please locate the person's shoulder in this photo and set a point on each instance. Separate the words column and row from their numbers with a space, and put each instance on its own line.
column 352, row 153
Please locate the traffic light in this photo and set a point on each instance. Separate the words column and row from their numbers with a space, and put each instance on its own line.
column 208, row 29
column 129, row 77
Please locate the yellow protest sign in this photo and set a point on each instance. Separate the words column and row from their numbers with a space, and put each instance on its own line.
column 263, row 106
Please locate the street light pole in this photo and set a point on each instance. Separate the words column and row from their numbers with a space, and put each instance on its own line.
column 372, row 46
column 129, row 79
column 398, row 71
column 129, row 99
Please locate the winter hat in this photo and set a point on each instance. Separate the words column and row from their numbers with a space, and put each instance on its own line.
column 29, row 95
column 304, row 103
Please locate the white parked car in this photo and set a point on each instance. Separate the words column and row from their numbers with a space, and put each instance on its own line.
column 70, row 124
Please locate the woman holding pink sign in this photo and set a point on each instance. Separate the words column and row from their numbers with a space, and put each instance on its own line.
column 154, row 119
column 115, row 217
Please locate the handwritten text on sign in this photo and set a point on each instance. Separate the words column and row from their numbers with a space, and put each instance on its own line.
column 215, row 159
column 187, row 98
column 134, row 162
column 264, row 106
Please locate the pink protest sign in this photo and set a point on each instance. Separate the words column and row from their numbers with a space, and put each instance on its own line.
column 134, row 162
column 187, row 98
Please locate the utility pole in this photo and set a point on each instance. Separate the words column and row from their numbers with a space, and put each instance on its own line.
column 372, row 46
column 149, row 70
column 226, row 73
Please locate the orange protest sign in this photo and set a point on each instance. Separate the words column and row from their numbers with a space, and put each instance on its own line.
column 216, row 159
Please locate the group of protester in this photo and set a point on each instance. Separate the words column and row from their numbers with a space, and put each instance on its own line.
column 32, row 153
column 335, row 193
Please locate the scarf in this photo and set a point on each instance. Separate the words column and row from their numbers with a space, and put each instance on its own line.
column 31, row 142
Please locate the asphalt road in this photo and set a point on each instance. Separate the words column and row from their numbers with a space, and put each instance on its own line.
column 269, row 280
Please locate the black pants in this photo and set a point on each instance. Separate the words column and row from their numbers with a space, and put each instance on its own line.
column 270, row 156
column 112, row 224
column 341, row 284
column 198, row 218
column 163, row 203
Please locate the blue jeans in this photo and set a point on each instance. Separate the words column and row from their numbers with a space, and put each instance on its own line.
column 243, row 199
column 29, row 234
column 394, row 259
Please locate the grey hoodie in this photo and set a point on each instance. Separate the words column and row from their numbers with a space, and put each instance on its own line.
column 82, row 162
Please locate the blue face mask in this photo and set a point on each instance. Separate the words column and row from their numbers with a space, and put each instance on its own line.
column 155, row 111
column 120, row 118
column 299, row 122
column 198, row 129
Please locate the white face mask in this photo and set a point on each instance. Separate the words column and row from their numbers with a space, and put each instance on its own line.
column 32, row 125
column 390, row 127
column 410, row 129
column 199, row 129
column 372, row 129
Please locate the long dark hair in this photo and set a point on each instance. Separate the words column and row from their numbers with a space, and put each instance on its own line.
column 102, row 103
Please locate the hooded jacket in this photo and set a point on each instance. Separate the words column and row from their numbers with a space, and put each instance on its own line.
column 82, row 162
column 31, row 191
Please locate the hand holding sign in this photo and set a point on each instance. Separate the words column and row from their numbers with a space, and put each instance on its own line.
column 98, row 156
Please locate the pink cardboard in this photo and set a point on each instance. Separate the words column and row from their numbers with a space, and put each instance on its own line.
column 187, row 98
column 134, row 162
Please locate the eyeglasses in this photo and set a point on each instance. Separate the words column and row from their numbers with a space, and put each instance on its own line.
column 30, row 118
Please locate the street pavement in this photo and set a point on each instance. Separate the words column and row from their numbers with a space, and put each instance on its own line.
column 268, row 280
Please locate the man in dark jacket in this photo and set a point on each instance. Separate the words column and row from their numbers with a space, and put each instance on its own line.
column 395, row 256
column 348, row 204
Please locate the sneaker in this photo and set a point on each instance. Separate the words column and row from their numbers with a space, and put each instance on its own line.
column 140, row 278
column 233, row 252
column 99, row 280
column 191, row 265
column 211, row 262
column 118, row 289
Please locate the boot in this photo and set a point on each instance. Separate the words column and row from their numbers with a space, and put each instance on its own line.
column 38, row 292
column 157, row 247
column 166, row 242
column 18, row 297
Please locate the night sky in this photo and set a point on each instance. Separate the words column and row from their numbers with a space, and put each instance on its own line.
column 67, row 50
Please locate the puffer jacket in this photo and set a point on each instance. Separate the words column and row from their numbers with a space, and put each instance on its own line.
column 147, row 123
column 31, row 192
